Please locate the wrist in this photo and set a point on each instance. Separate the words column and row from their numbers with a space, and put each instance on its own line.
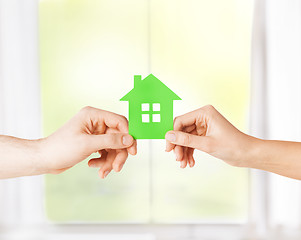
column 252, row 152
column 40, row 162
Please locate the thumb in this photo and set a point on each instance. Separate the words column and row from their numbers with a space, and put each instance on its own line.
column 110, row 141
column 188, row 140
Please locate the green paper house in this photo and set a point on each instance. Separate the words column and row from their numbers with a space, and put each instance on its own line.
column 150, row 108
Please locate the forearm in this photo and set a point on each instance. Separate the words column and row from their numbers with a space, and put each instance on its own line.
column 281, row 157
column 19, row 157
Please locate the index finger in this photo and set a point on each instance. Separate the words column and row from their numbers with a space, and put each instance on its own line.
column 110, row 119
column 132, row 149
column 119, row 122
column 186, row 120
column 181, row 122
column 113, row 120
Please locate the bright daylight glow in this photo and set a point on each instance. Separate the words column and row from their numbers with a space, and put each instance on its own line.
column 90, row 51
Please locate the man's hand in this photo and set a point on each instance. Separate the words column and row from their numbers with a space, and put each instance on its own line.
column 91, row 130
column 207, row 130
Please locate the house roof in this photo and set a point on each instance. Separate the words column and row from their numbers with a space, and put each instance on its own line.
column 150, row 88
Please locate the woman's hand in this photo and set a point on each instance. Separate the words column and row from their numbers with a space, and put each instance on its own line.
column 91, row 130
column 207, row 130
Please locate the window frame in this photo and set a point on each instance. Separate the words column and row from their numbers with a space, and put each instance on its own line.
column 150, row 112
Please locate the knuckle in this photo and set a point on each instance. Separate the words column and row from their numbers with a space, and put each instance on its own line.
column 208, row 107
column 123, row 119
column 177, row 123
column 176, row 119
column 86, row 109
column 201, row 111
column 208, row 110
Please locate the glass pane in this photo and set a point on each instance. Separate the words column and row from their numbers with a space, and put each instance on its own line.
column 202, row 51
column 90, row 52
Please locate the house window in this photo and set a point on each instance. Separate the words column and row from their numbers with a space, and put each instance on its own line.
column 156, row 118
column 145, row 118
column 156, row 107
column 145, row 107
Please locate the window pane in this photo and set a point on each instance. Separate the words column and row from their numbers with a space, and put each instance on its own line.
column 156, row 118
column 90, row 52
column 145, row 106
column 145, row 117
column 156, row 106
column 201, row 50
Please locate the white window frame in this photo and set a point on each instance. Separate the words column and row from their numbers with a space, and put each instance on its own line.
column 276, row 99
column 21, row 199
column 22, row 217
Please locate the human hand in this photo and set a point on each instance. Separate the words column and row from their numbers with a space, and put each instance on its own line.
column 91, row 130
column 207, row 130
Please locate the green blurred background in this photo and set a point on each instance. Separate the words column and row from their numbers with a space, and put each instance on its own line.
column 91, row 49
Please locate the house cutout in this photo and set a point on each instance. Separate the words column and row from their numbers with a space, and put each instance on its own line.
column 150, row 108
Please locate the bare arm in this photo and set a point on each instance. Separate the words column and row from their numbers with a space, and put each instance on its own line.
column 207, row 130
column 281, row 157
column 91, row 130
column 19, row 157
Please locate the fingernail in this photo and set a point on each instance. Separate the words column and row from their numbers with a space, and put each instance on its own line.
column 120, row 167
column 106, row 174
column 177, row 159
column 170, row 137
column 127, row 140
column 182, row 164
column 93, row 165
